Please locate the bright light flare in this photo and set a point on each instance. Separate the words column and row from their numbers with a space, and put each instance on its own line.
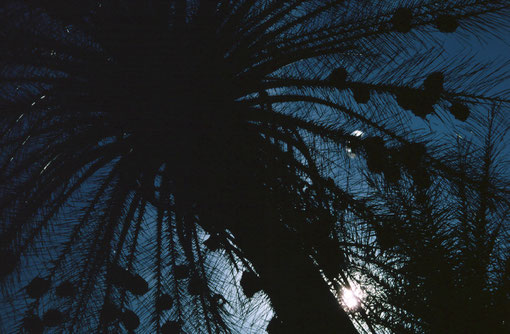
column 350, row 299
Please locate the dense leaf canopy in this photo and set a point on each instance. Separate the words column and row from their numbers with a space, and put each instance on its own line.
column 187, row 166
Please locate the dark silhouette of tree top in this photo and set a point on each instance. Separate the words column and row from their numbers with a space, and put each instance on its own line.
column 190, row 166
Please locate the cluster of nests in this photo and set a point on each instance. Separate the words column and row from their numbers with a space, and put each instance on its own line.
column 133, row 283
column 390, row 161
column 118, row 276
column 53, row 317
column 420, row 101
column 403, row 18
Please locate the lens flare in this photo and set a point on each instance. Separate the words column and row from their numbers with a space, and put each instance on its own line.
column 350, row 299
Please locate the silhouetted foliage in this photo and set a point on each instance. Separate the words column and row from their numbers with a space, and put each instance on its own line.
column 170, row 327
column 250, row 284
column 33, row 324
column 221, row 166
column 52, row 318
column 65, row 289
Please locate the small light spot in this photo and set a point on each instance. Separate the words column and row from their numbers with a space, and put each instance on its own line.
column 49, row 163
column 357, row 133
column 350, row 153
column 44, row 168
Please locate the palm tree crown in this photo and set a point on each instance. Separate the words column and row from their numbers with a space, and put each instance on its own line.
column 163, row 162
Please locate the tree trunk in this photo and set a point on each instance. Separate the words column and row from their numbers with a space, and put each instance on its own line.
column 299, row 295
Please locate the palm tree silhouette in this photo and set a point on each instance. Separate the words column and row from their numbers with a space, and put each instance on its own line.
column 164, row 161
column 444, row 245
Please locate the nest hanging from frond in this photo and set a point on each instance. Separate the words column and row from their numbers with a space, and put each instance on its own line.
column 38, row 287
column 447, row 23
column 460, row 111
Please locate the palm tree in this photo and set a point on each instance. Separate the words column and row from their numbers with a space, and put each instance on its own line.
column 163, row 162
column 446, row 245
